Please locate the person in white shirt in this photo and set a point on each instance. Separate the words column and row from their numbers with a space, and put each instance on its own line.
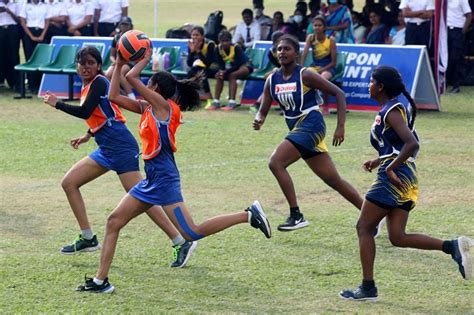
column 57, row 21
column 79, row 22
column 418, row 14
column 34, row 17
column 9, row 37
column 459, row 18
column 107, row 15
column 247, row 31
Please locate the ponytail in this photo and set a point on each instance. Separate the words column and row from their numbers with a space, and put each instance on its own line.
column 413, row 106
column 187, row 92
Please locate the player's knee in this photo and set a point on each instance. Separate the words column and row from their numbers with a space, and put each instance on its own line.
column 273, row 165
column 114, row 222
column 363, row 227
column 397, row 240
column 68, row 184
column 190, row 229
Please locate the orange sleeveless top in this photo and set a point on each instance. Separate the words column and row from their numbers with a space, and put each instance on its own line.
column 150, row 134
column 105, row 112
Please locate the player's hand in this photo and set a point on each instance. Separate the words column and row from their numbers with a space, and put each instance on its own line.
column 394, row 179
column 371, row 164
column 258, row 121
column 119, row 61
column 78, row 141
column 338, row 137
column 50, row 99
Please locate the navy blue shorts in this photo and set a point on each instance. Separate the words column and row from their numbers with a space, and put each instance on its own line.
column 118, row 149
column 385, row 195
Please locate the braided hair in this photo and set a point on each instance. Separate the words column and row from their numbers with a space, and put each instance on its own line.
column 393, row 86
column 185, row 91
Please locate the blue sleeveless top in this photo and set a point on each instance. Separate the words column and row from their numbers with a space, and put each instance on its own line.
column 383, row 137
column 294, row 98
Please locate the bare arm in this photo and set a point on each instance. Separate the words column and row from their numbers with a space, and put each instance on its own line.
column 316, row 81
column 114, row 92
column 395, row 119
column 307, row 45
column 160, row 105
column 264, row 106
column 467, row 22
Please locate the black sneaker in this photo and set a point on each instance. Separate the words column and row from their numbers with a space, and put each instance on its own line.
column 181, row 254
column 258, row 219
column 461, row 256
column 81, row 245
column 293, row 223
column 90, row 286
column 360, row 294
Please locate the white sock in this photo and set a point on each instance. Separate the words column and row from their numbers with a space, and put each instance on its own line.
column 249, row 215
column 98, row 281
column 178, row 240
column 87, row 234
column 132, row 96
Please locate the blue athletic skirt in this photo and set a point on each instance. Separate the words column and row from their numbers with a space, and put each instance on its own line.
column 118, row 149
column 162, row 185
column 384, row 194
column 307, row 134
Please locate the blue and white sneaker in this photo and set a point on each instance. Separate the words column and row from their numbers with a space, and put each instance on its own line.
column 181, row 254
column 379, row 227
column 92, row 287
column 258, row 219
column 462, row 257
column 360, row 294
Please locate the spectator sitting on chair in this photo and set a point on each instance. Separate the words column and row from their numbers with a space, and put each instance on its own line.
column 278, row 24
column 124, row 25
column 202, row 58
column 247, row 31
column 397, row 32
column 359, row 28
column 376, row 33
column 79, row 21
column 324, row 54
column 233, row 66
column 264, row 20
column 298, row 25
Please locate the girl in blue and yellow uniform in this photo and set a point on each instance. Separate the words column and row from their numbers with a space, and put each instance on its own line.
column 165, row 97
column 395, row 191
column 296, row 89
column 324, row 49
column 117, row 151
column 233, row 66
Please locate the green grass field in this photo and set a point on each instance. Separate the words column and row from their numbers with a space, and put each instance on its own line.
column 223, row 168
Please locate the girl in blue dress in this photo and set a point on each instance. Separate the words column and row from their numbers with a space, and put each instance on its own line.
column 395, row 191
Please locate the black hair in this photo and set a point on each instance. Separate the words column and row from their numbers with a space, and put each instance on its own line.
column 320, row 18
column 186, row 91
column 91, row 51
column 247, row 11
column 393, row 86
column 224, row 35
column 276, row 36
column 198, row 28
column 302, row 6
column 293, row 41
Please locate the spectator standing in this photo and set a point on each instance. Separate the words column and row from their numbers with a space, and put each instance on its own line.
column 233, row 66
column 397, row 32
column 107, row 15
column 34, row 17
column 459, row 19
column 339, row 22
column 264, row 20
column 80, row 16
column 58, row 20
column 358, row 26
column 247, row 31
column 377, row 32
column 10, row 37
column 418, row 14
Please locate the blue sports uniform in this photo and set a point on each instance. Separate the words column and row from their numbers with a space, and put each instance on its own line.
column 117, row 148
column 162, row 185
column 388, row 144
column 300, row 105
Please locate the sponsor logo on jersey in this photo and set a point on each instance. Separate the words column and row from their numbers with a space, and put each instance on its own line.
column 285, row 88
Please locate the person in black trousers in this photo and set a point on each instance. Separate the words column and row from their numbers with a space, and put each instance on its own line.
column 10, row 37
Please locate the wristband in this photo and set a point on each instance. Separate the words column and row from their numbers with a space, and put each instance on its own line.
column 90, row 132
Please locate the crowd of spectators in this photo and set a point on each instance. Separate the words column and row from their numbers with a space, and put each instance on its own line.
column 404, row 22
